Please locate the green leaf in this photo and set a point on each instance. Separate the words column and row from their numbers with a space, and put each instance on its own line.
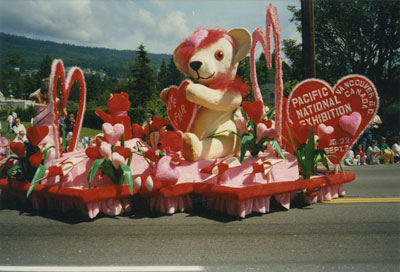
column 38, row 175
column 127, row 175
column 246, row 139
column 45, row 153
column 277, row 148
column 9, row 174
column 93, row 170
column 309, row 155
column 109, row 170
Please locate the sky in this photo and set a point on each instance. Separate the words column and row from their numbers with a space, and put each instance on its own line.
column 160, row 25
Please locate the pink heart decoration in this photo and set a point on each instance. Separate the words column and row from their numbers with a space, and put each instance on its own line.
column 322, row 129
column 117, row 160
column 180, row 111
column 75, row 74
column 344, row 110
column 264, row 132
column 112, row 133
column 105, row 151
column 350, row 123
column 241, row 124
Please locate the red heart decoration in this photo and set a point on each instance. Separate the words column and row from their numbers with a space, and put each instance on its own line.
column 36, row 134
column 254, row 110
column 180, row 111
column 36, row 159
column 314, row 102
column 54, row 170
column 137, row 131
column 75, row 74
column 18, row 148
column 93, row 152
column 123, row 151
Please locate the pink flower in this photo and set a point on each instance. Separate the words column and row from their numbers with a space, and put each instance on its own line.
column 105, row 150
column 117, row 160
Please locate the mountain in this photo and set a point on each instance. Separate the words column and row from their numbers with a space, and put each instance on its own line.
column 113, row 62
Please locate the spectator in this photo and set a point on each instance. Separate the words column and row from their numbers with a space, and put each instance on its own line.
column 361, row 157
column 85, row 142
column 10, row 120
column 69, row 126
column 3, row 145
column 21, row 137
column 349, row 158
column 374, row 153
column 387, row 153
column 18, row 126
column 149, row 118
column 396, row 150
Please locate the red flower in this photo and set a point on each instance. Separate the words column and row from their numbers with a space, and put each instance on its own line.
column 93, row 152
column 171, row 139
column 137, row 131
column 254, row 110
column 18, row 148
column 267, row 122
column 299, row 133
column 36, row 159
column 123, row 151
column 36, row 134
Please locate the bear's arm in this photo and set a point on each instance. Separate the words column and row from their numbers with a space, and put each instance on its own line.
column 213, row 99
column 104, row 116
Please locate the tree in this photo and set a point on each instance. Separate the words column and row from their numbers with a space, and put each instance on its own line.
column 163, row 77
column 357, row 37
column 44, row 70
column 176, row 77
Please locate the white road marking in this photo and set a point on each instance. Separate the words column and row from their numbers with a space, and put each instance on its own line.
column 102, row 268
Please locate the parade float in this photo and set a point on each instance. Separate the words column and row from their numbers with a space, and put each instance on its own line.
column 232, row 155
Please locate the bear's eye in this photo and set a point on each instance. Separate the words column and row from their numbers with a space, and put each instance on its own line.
column 219, row 55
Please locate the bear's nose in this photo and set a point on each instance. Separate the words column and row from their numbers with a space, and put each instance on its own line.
column 195, row 65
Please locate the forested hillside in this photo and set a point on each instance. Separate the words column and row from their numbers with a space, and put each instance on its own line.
column 113, row 62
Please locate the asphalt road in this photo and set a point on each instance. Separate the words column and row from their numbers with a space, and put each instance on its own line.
column 356, row 236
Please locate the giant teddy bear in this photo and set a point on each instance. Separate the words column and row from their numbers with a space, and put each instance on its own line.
column 211, row 58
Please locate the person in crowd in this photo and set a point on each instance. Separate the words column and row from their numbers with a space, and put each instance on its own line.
column 387, row 152
column 92, row 141
column 396, row 150
column 21, row 137
column 3, row 145
column 69, row 126
column 361, row 157
column 374, row 153
column 10, row 120
column 366, row 138
column 149, row 118
column 349, row 159
column 18, row 126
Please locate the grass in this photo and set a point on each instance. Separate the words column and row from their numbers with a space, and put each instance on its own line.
column 89, row 132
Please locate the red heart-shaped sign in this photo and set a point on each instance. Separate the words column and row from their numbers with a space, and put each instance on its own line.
column 36, row 134
column 180, row 111
column 255, row 110
column 349, row 108
column 18, row 148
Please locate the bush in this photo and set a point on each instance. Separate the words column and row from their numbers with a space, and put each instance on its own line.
column 26, row 114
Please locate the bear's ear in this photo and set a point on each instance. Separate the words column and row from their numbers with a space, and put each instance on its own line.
column 125, row 95
column 242, row 38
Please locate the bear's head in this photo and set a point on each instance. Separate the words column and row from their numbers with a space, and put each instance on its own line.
column 209, row 54
column 118, row 103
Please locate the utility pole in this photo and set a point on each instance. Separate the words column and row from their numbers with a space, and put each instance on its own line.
column 307, row 30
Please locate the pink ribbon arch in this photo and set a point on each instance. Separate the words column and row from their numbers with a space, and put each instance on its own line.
column 265, row 41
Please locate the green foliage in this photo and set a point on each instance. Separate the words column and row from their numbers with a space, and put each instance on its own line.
column 113, row 62
column 360, row 37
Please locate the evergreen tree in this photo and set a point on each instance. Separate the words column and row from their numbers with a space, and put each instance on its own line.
column 163, row 77
column 175, row 75
column 141, row 82
column 44, row 70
